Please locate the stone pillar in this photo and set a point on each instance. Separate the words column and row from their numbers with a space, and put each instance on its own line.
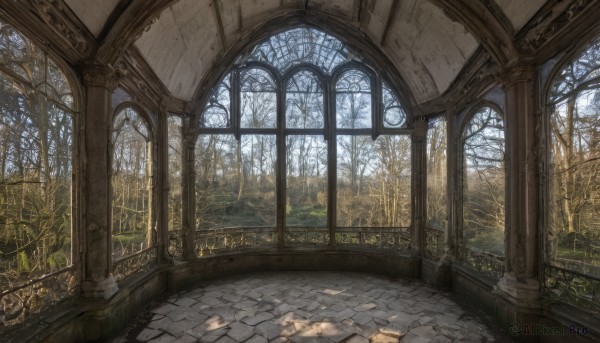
column 98, row 281
column 452, row 175
column 188, row 206
column 520, row 283
column 419, row 172
column 162, row 185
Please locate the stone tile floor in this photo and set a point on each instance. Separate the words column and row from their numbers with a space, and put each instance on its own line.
column 311, row 307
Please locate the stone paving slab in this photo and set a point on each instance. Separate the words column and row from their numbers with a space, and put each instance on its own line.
column 313, row 307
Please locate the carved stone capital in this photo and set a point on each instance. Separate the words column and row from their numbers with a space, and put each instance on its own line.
column 420, row 127
column 518, row 74
column 100, row 76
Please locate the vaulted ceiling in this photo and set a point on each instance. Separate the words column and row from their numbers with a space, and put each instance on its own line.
column 428, row 41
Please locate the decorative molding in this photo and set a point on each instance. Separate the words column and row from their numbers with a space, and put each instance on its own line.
column 53, row 13
column 548, row 23
column 518, row 74
column 139, row 79
column 100, row 76
column 146, row 26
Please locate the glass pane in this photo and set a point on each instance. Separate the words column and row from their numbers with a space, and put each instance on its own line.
column 304, row 102
column 373, row 181
column 353, row 100
column 36, row 138
column 235, row 181
column 302, row 45
column 33, row 66
column 58, row 86
column 437, row 193
column 483, row 182
column 306, row 181
column 575, row 182
column 131, row 228
column 175, row 169
column 258, row 100
column 218, row 109
column 393, row 113
column 119, row 96
column 581, row 70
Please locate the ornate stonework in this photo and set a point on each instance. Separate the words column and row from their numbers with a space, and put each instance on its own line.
column 521, row 73
column 550, row 23
column 100, row 76
column 52, row 12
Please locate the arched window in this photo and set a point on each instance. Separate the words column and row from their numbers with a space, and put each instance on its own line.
column 436, row 222
column 483, row 180
column 36, row 142
column 132, row 188
column 574, row 123
column 311, row 148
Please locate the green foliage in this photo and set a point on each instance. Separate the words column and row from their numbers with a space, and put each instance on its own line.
column 23, row 263
column 57, row 261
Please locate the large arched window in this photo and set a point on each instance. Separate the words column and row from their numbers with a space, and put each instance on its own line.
column 483, row 190
column 437, row 193
column 573, row 232
column 36, row 141
column 302, row 144
column 572, row 272
column 132, row 185
column 574, row 108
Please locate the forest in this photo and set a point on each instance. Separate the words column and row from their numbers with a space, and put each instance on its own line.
column 36, row 142
column 574, row 234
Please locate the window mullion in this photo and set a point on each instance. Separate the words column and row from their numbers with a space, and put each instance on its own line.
column 281, row 166
column 331, row 161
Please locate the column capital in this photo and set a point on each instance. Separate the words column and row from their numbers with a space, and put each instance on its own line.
column 421, row 126
column 516, row 74
column 98, row 75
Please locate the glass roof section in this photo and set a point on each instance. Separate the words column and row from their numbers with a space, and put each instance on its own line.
column 302, row 45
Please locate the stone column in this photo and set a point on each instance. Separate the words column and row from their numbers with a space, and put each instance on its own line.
column 452, row 175
column 419, row 173
column 520, row 283
column 98, row 281
column 162, row 185
column 188, row 206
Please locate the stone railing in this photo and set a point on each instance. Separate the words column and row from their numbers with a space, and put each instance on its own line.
column 224, row 240
column 136, row 263
column 434, row 244
column 485, row 263
column 306, row 237
column 374, row 238
column 573, row 288
column 18, row 303
column 209, row 242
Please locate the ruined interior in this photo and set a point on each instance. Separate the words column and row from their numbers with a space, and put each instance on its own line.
column 147, row 146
